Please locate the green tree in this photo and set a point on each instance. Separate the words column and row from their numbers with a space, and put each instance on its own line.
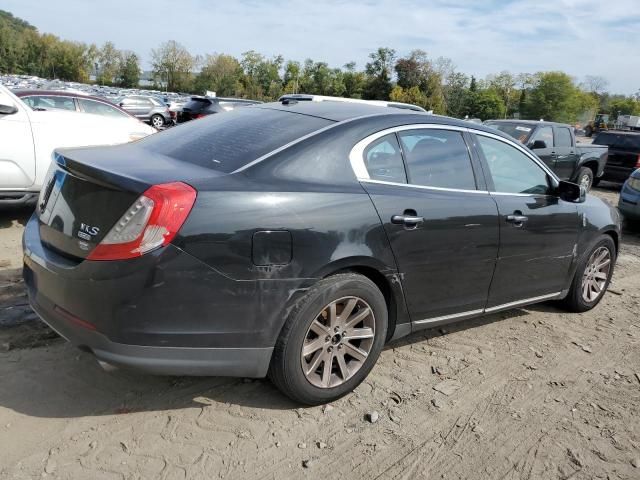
column 485, row 104
column 173, row 64
column 354, row 81
column 221, row 74
column 109, row 64
column 129, row 75
column 555, row 97
column 378, row 72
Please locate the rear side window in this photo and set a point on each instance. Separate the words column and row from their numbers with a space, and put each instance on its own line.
column 437, row 158
column 383, row 160
column 563, row 137
column 196, row 105
column 230, row 141
column 99, row 108
column 609, row 139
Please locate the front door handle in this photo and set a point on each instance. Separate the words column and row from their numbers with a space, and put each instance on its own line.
column 517, row 219
column 407, row 220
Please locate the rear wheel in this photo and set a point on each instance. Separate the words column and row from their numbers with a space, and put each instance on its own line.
column 592, row 276
column 331, row 340
column 585, row 178
column 157, row 121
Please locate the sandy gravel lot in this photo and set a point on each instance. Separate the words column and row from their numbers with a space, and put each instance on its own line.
column 532, row 393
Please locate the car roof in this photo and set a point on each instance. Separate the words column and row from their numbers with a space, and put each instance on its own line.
column 529, row 122
column 56, row 93
column 343, row 111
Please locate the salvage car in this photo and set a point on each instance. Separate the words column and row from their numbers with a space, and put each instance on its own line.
column 146, row 108
column 29, row 137
column 294, row 239
column 555, row 144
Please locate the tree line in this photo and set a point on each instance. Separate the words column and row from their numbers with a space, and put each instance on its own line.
column 433, row 83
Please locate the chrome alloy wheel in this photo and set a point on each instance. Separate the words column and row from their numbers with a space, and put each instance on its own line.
column 338, row 342
column 596, row 274
column 157, row 121
column 585, row 181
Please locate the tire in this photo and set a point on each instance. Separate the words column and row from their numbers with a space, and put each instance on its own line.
column 575, row 300
column 157, row 121
column 585, row 178
column 287, row 363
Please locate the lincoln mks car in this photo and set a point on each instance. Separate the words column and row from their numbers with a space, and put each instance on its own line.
column 294, row 240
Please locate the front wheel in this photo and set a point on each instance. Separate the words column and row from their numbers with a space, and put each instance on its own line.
column 585, row 178
column 331, row 340
column 157, row 121
column 592, row 276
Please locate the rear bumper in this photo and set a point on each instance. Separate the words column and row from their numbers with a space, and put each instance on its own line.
column 164, row 313
column 233, row 362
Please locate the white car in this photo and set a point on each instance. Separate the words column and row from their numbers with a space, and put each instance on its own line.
column 28, row 138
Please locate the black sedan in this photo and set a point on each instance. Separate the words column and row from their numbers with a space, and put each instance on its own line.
column 295, row 240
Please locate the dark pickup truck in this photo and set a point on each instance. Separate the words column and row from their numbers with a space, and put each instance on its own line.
column 555, row 144
column 624, row 154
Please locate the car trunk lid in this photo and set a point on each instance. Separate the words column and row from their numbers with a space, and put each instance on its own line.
column 88, row 190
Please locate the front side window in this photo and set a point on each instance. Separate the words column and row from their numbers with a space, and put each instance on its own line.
column 512, row 171
column 563, row 137
column 545, row 134
column 437, row 158
column 384, row 160
column 99, row 108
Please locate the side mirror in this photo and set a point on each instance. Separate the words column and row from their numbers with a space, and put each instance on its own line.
column 571, row 192
column 8, row 109
column 538, row 144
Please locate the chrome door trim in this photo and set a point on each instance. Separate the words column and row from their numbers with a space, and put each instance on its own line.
column 504, row 306
column 423, row 187
column 524, row 301
column 449, row 317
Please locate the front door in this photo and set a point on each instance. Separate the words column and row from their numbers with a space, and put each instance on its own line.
column 17, row 154
column 566, row 154
column 547, row 153
column 538, row 231
column 443, row 231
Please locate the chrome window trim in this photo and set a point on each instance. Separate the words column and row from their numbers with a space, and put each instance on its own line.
column 356, row 157
column 423, row 187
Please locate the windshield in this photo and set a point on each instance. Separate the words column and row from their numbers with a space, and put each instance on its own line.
column 519, row 131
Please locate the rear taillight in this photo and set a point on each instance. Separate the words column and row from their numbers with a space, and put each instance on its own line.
column 199, row 115
column 151, row 222
column 638, row 162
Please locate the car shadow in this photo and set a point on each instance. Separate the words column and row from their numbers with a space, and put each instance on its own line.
column 60, row 381
column 10, row 214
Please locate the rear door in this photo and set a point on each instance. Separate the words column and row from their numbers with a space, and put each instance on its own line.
column 624, row 154
column 566, row 155
column 440, row 221
column 538, row 231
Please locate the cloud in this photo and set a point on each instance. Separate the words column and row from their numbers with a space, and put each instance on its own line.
column 581, row 37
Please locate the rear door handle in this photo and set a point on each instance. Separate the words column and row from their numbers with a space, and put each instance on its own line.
column 517, row 220
column 408, row 220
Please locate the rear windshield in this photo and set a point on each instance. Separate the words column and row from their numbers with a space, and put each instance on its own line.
column 196, row 104
column 619, row 140
column 231, row 140
column 520, row 132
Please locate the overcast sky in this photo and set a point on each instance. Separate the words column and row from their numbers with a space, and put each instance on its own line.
column 580, row 37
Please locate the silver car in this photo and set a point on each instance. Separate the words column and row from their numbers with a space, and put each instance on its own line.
column 146, row 108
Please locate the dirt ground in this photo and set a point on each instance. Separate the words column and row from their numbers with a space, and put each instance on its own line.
column 532, row 393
